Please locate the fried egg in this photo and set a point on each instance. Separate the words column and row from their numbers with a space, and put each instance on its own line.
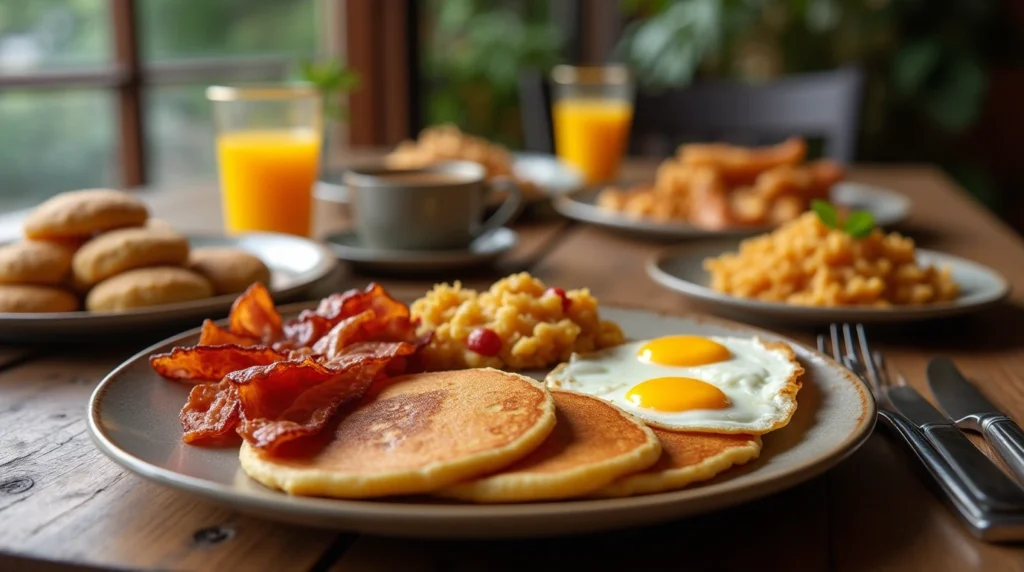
column 691, row 383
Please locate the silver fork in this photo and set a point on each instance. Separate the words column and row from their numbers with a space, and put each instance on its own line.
column 849, row 347
column 844, row 350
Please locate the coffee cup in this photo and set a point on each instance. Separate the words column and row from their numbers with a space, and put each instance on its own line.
column 439, row 207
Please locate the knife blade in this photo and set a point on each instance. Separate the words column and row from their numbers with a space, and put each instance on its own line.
column 973, row 411
column 986, row 483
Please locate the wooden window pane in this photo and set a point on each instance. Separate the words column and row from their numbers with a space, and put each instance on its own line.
column 53, row 142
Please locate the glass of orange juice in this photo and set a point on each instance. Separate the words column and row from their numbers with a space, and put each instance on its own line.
column 268, row 155
column 592, row 112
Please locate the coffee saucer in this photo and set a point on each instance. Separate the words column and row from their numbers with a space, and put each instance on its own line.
column 485, row 248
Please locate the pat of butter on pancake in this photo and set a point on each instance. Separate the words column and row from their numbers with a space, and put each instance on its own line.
column 421, row 432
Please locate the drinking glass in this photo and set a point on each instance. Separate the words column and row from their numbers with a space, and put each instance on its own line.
column 268, row 154
column 592, row 112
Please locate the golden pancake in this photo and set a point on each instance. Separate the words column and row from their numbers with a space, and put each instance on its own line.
column 686, row 458
column 417, row 434
column 593, row 444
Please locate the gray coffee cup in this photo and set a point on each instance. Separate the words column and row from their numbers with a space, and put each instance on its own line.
column 435, row 208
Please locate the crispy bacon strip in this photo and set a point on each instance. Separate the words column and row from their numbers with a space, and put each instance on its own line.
column 741, row 165
column 390, row 323
column 214, row 335
column 211, row 414
column 290, row 400
column 211, row 363
column 253, row 314
column 392, row 317
column 343, row 334
column 304, row 331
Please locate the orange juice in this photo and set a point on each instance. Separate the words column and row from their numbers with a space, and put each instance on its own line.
column 267, row 179
column 591, row 135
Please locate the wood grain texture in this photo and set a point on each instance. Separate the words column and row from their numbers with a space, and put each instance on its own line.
column 60, row 499
column 708, row 542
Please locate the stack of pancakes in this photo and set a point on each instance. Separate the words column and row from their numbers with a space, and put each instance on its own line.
column 490, row 436
column 100, row 246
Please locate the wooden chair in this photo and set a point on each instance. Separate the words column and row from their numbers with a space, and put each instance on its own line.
column 823, row 106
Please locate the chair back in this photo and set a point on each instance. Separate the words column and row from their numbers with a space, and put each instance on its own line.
column 823, row 106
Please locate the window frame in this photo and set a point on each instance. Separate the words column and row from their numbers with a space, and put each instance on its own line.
column 128, row 77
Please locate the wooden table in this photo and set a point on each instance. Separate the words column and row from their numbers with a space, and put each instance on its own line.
column 62, row 502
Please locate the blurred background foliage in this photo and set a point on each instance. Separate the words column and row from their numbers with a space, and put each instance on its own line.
column 475, row 49
column 927, row 62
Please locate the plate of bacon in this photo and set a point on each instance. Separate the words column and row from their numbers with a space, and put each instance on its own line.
column 716, row 189
column 330, row 416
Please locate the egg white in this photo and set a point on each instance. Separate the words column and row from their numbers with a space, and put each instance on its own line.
column 757, row 380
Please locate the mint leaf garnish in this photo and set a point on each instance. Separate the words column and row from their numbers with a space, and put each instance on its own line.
column 859, row 224
column 826, row 212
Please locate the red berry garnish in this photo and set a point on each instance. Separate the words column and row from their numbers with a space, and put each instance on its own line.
column 566, row 302
column 484, row 342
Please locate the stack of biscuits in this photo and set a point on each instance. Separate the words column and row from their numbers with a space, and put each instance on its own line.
column 100, row 247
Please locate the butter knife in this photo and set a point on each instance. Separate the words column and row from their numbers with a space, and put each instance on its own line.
column 985, row 482
column 972, row 411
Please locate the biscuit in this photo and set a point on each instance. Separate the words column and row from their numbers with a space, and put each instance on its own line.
column 230, row 270
column 79, row 214
column 21, row 298
column 34, row 262
column 159, row 224
column 124, row 249
column 147, row 287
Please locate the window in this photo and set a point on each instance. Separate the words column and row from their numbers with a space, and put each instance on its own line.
column 472, row 52
column 111, row 92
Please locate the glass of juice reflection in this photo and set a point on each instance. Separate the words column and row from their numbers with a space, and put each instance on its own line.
column 268, row 155
column 592, row 112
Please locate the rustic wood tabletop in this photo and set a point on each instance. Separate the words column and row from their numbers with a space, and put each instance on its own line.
column 64, row 505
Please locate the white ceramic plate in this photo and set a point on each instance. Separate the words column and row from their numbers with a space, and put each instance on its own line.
column 133, row 418
column 296, row 265
column 682, row 269
column 888, row 208
column 483, row 249
column 549, row 173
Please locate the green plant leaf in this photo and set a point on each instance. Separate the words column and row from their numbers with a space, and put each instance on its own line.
column 859, row 224
column 826, row 212
column 913, row 64
column 955, row 99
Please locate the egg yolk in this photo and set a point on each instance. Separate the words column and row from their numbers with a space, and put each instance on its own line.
column 682, row 351
column 673, row 394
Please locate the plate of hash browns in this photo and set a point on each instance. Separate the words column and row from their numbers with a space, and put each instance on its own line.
column 720, row 190
column 821, row 268
column 520, row 410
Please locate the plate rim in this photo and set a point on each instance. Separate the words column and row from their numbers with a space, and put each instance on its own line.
column 337, row 193
column 327, row 264
column 653, row 266
column 570, row 205
column 419, row 257
column 283, row 506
